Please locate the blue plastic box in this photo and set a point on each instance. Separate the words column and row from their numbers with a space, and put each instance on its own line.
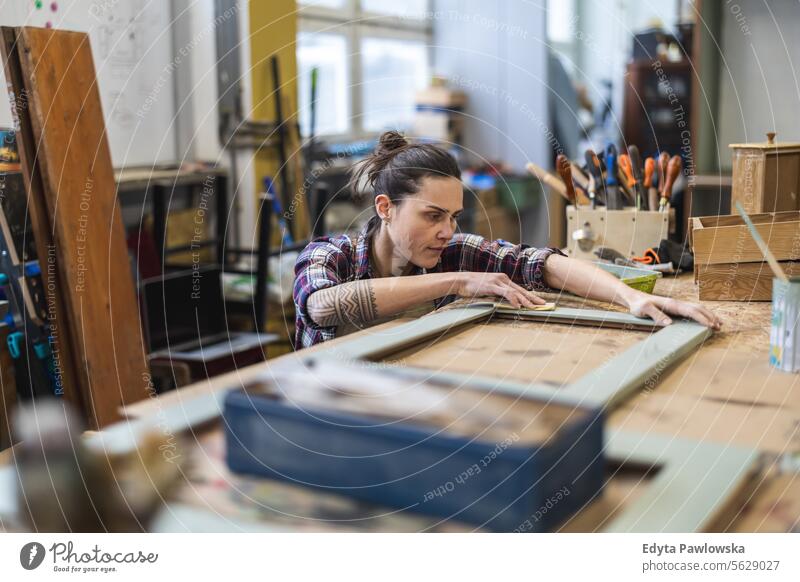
column 502, row 486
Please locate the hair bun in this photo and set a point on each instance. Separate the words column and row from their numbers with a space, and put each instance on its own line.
column 390, row 141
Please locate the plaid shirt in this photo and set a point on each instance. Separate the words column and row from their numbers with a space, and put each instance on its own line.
column 330, row 261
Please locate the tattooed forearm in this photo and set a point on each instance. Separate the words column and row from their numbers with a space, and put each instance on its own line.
column 352, row 303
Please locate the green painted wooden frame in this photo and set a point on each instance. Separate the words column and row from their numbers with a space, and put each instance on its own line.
column 605, row 387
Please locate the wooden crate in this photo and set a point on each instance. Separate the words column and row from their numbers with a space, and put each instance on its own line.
column 739, row 281
column 629, row 231
column 766, row 176
column 728, row 266
column 725, row 239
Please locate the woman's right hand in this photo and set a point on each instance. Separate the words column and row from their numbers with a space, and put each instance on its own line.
column 472, row 284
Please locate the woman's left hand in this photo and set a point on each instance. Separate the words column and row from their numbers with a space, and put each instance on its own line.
column 658, row 308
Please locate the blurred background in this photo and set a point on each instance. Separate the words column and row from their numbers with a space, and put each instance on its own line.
column 251, row 113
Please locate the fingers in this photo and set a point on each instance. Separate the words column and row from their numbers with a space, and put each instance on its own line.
column 514, row 297
column 530, row 295
column 693, row 311
column 650, row 310
column 501, row 285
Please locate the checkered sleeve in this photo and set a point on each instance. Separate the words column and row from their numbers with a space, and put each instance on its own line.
column 522, row 263
column 319, row 266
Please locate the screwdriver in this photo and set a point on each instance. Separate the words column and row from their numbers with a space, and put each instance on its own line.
column 612, row 189
column 661, row 166
column 649, row 175
column 595, row 170
column 565, row 171
column 673, row 169
column 636, row 167
column 626, row 173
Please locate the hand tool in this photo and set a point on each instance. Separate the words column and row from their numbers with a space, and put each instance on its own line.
column 581, row 182
column 596, row 172
column 565, row 171
column 636, row 171
column 548, row 178
column 661, row 166
column 650, row 257
column 673, row 169
column 649, row 176
column 579, row 177
column 591, row 188
column 613, row 200
column 614, row 256
column 503, row 304
column 626, row 177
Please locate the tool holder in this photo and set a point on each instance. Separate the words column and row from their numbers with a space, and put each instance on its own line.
column 629, row 231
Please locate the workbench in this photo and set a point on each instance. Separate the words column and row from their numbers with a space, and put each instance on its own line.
column 725, row 392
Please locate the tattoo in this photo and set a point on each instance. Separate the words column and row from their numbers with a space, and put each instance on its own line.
column 352, row 302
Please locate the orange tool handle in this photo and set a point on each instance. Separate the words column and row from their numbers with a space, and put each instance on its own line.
column 626, row 168
column 673, row 169
column 565, row 171
column 663, row 160
column 649, row 170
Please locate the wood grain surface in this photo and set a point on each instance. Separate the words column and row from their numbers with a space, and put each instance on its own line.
column 74, row 162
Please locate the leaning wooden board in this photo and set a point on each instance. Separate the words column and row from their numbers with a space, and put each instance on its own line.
column 74, row 162
column 64, row 357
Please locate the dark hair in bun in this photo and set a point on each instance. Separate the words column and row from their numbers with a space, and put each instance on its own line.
column 396, row 168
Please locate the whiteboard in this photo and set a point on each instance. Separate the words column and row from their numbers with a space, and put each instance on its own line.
column 135, row 63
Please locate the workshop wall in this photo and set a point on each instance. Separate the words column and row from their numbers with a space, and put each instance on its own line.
column 759, row 85
column 496, row 52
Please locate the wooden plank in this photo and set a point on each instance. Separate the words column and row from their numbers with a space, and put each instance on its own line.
column 64, row 354
column 740, row 281
column 732, row 243
column 695, row 483
column 74, row 162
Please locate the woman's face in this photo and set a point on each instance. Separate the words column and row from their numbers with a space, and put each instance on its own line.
column 421, row 225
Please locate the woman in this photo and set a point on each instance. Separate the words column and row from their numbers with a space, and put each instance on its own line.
column 409, row 255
